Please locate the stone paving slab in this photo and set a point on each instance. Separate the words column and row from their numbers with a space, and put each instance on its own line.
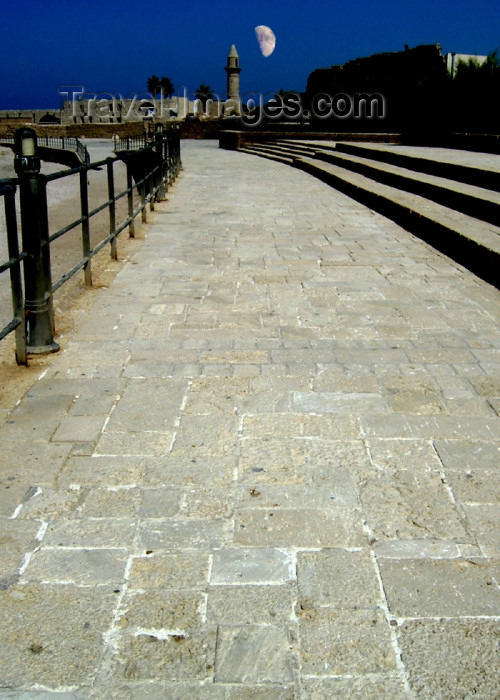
column 265, row 465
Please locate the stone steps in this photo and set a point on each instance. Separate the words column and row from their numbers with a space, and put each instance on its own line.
column 459, row 219
column 478, row 202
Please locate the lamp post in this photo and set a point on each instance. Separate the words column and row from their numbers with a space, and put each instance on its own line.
column 35, row 235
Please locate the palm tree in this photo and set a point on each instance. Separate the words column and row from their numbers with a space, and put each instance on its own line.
column 168, row 86
column 204, row 93
column 154, row 85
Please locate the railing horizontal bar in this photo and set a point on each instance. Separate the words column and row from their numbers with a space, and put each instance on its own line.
column 13, row 261
column 99, row 208
column 101, row 244
column 123, row 194
column 67, row 228
column 7, row 265
column 78, row 169
column 69, row 274
column 123, row 226
column 10, row 327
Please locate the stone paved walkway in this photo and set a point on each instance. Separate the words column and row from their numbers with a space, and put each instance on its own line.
column 265, row 466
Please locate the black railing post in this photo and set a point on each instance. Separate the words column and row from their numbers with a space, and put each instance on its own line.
column 152, row 187
column 142, row 192
column 160, row 140
column 130, row 199
column 15, row 276
column 112, row 209
column 38, row 308
column 84, row 202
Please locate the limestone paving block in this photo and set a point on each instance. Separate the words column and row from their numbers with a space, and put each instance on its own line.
column 474, row 406
column 209, row 502
column 402, row 504
column 78, row 566
column 108, row 503
column 40, row 695
column 476, row 486
column 90, row 532
column 176, row 533
column 256, row 357
column 175, row 657
column 344, row 642
column 339, row 490
column 251, row 604
column 205, row 435
column 251, row 566
column 355, row 687
column 159, row 502
column 208, row 395
column 325, row 456
column 338, row 578
column 135, row 443
column 11, row 495
column 103, row 470
column 484, row 521
column 62, row 644
column 451, row 658
column 487, row 385
column 180, row 569
column 44, row 503
column 273, row 425
column 39, row 415
column 148, row 404
column 162, row 609
column 289, row 425
column 329, row 402
column 468, row 454
column 16, row 540
column 40, row 464
column 403, row 454
column 147, row 370
column 437, row 427
column 250, row 653
column 419, row 549
column 119, row 689
column 94, row 405
column 79, row 429
column 272, row 461
column 439, row 587
column 336, row 527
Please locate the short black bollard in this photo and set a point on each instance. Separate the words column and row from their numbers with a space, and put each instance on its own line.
column 35, row 236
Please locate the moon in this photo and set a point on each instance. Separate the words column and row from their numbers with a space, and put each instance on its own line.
column 266, row 39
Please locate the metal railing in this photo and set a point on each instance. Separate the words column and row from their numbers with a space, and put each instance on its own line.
column 149, row 172
column 13, row 264
column 132, row 143
column 63, row 143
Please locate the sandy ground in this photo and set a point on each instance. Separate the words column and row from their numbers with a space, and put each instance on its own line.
column 72, row 299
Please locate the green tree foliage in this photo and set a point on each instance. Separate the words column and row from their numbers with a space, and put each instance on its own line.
column 156, row 85
column 204, row 93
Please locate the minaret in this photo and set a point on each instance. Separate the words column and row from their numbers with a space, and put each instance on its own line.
column 233, row 76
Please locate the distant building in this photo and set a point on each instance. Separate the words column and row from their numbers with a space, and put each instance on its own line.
column 30, row 116
column 233, row 70
column 106, row 108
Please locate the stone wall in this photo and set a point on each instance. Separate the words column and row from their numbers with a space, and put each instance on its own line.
column 81, row 131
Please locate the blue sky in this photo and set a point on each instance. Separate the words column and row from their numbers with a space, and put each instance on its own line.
column 115, row 45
